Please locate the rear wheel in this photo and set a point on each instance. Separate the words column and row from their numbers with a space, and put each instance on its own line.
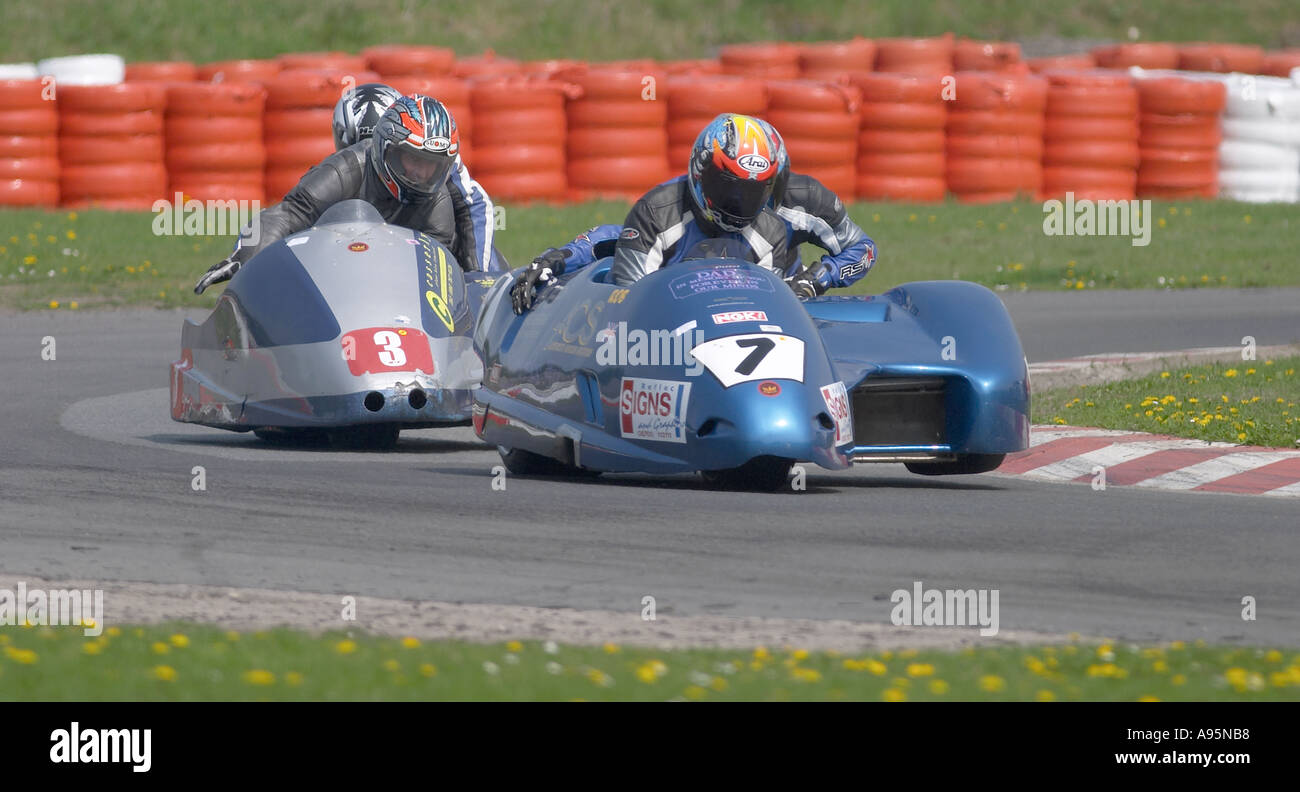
column 280, row 436
column 762, row 474
column 963, row 464
column 368, row 437
column 525, row 463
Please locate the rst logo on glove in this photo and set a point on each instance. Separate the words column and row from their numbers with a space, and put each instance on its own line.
column 654, row 409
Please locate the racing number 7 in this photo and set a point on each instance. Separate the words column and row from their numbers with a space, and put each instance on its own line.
column 761, row 347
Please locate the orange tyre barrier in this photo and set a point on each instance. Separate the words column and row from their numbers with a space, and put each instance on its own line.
column 330, row 61
column 408, row 61
column 215, row 140
column 1006, row 110
column 1148, row 56
column 29, row 192
column 162, row 71
column 695, row 100
column 915, row 55
column 486, row 65
column 774, row 60
column 623, row 111
column 295, row 145
column 1179, row 137
column 900, row 137
column 832, row 60
column 1082, row 60
column 972, row 55
column 1090, row 136
column 28, row 145
column 1220, row 58
column 511, row 113
column 239, row 71
column 819, row 122
column 693, row 67
column 111, row 144
column 1280, row 63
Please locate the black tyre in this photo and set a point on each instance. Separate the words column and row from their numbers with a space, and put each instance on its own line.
column 278, row 436
column 368, row 437
column 525, row 463
column 760, row 474
column 964, row 464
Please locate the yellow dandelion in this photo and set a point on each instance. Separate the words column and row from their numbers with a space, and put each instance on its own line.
column 1148, row 697
column 799, row 654
column 54, row 304
column 345, row 646
column 179, row 641
column 992, row 683
column 1273, row 656
column 1044, row 695
column 92, row 648
column 920, row 669
column 806, row 674
column 392, row 666
column 427, row 670
column 259, row 676
column 611, row 648
column 938, row 687
column 113, row 632
column 410, row 642
column 695, row 692
column 158, row 647
column 646, row 674
column 293, row 679
column 893, row 694
column 718, row 684
column 164, row 673
column 761, row 653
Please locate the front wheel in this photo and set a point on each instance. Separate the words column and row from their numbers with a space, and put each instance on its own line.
column 760, row 474
column 962, row 465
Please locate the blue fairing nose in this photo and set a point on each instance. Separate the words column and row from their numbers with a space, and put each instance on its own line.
column 748, row 423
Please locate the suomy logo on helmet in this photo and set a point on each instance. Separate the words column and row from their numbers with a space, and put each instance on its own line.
column 754, row 163
column 437, row 143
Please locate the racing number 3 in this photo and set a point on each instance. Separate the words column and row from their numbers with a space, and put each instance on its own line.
column 391, row 353
column 761, row 347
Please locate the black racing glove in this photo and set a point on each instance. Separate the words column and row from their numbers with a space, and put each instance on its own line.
column 222, row 271
column 804, row 285
column 546, row 266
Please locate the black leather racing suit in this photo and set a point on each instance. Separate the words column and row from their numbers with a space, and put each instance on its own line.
column 662, row 228
column 346, row 174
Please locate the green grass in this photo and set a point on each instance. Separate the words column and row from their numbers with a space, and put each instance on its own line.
column 115, row 259
column 1252, row 402
column 596, row 29
column 196, row 662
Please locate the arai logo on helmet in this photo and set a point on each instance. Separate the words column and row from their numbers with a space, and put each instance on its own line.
column 437, row 143
column 754, row 163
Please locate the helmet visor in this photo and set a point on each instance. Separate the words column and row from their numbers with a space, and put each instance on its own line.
column 737, row 201
column 419, row 170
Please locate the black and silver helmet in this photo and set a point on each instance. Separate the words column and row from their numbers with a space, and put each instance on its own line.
column 356, row 114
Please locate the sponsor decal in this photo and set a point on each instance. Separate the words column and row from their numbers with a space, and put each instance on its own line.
column 717, row 279
column 770, row 328
column 437, row 144
column 652, row 409
column 752, row 357
column 382, row 349
column 358, row 247
column 754, row 163
column 837, row 404
column 739, row 316
column 769, row 388
column 630, row 233
column 618, row 295
column 435, row 278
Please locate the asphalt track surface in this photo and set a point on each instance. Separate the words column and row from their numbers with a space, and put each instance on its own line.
column 95, row 483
